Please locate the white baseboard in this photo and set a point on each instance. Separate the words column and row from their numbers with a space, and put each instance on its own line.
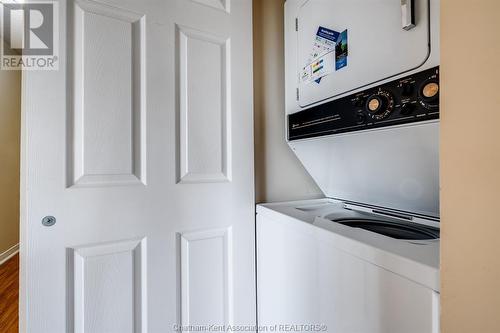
column 9, row 254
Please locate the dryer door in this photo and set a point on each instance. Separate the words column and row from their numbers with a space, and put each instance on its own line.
column 372, row 44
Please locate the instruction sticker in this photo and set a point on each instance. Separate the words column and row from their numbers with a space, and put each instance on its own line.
column 322, row 66
column 328, row 55
column 324, row 42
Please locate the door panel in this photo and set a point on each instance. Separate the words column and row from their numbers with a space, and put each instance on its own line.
column 206, row 253
column 218, row 4
column 108, row 62
column 152, row 88
column 205, row 138
column 109, row 287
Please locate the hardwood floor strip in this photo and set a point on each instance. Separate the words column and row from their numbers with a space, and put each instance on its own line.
column 9, row 295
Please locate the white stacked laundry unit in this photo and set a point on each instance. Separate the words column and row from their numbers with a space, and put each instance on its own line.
column 362, row 106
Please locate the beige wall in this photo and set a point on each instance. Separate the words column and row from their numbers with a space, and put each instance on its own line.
column 470, row 166
column 279, row 174
column 10, row 112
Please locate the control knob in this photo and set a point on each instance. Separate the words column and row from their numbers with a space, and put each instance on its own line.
column 429, row 94
column 380, row 105
column 407, row 109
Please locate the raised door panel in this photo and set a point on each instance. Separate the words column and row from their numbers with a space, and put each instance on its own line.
column 108, row 287
column 206, row 277
column 217, row 4
column 107, row 105
column 204, row 107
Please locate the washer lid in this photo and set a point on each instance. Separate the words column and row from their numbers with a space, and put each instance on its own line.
column 396, row 168
column 374, row 46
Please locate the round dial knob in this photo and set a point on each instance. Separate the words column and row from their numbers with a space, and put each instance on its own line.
column 429, row 94
column 380, row 105
column 430, row 90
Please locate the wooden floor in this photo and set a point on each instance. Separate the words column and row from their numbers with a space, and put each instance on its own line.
column 9, row 294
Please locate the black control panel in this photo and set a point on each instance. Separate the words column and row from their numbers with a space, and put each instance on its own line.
column 406, row 100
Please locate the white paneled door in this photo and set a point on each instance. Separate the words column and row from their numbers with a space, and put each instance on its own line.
column 141, row 147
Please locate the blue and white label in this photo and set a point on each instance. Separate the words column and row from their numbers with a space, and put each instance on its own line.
column 341, row 51
column 328, row 55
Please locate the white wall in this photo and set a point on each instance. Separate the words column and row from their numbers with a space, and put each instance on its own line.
column 10, row 115
column 279, row 174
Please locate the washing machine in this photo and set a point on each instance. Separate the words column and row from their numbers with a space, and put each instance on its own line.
column 362, row 116
column 332, row 266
